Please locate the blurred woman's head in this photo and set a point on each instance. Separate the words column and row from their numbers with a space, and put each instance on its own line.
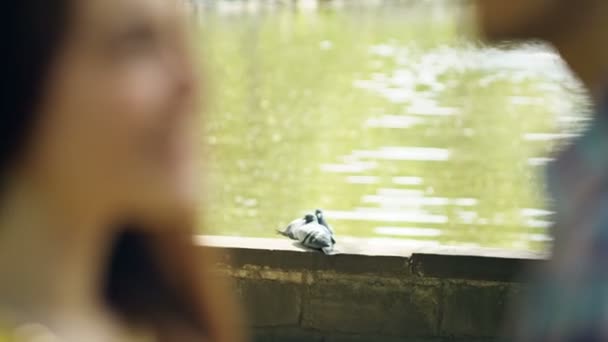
column 98, row 122
column 109, row 113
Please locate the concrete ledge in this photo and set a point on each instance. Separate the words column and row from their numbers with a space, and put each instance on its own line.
column 375, row 290
column 372, row 246
column 377, row 256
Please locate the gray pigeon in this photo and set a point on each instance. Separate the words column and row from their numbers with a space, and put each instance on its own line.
column 310, row 233
column 321, row 220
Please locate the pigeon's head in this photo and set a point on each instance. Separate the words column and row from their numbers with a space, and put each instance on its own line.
column 308, row 218
column 319, row 214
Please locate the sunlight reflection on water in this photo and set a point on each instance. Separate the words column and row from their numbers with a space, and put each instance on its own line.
column 440, row 143
column 402, row 86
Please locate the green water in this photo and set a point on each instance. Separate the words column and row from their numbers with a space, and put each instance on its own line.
column 391, row 118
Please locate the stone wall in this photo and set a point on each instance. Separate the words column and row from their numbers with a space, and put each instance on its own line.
column 408, row 295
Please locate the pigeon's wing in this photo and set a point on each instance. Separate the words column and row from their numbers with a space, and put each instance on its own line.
column 292, row 228
column 302, row 231
column 314, row 235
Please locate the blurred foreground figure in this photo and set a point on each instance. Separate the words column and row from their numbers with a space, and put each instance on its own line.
column 570, row 299
column 97, row 178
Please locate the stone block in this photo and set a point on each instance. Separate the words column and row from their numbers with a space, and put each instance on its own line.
column 365, row 308
column 286, row 335
column 377, row 338
column 271, row 303
column 470, row 267
column 286, row 260
column 361, row 264
column 474, row 310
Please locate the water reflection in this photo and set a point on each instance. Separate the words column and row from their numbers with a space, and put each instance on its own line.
column 399, row 128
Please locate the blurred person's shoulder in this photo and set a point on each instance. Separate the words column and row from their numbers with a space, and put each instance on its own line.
column 579, row 174
column 578, row 187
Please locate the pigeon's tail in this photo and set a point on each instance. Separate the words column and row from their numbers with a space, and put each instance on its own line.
column 282, row 232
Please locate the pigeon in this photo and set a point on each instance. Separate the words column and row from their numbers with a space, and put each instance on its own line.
column 321, row 220
column 309, row 231
column 295, row 225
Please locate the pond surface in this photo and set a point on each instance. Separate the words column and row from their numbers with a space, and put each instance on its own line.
column 390, row 117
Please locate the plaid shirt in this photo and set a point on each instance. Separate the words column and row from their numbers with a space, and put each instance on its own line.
column 569, row 301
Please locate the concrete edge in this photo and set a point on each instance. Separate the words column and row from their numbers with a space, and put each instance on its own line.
column 369, row 256
column 362, row 246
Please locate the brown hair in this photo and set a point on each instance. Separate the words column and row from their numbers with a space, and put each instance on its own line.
column 159, row 280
